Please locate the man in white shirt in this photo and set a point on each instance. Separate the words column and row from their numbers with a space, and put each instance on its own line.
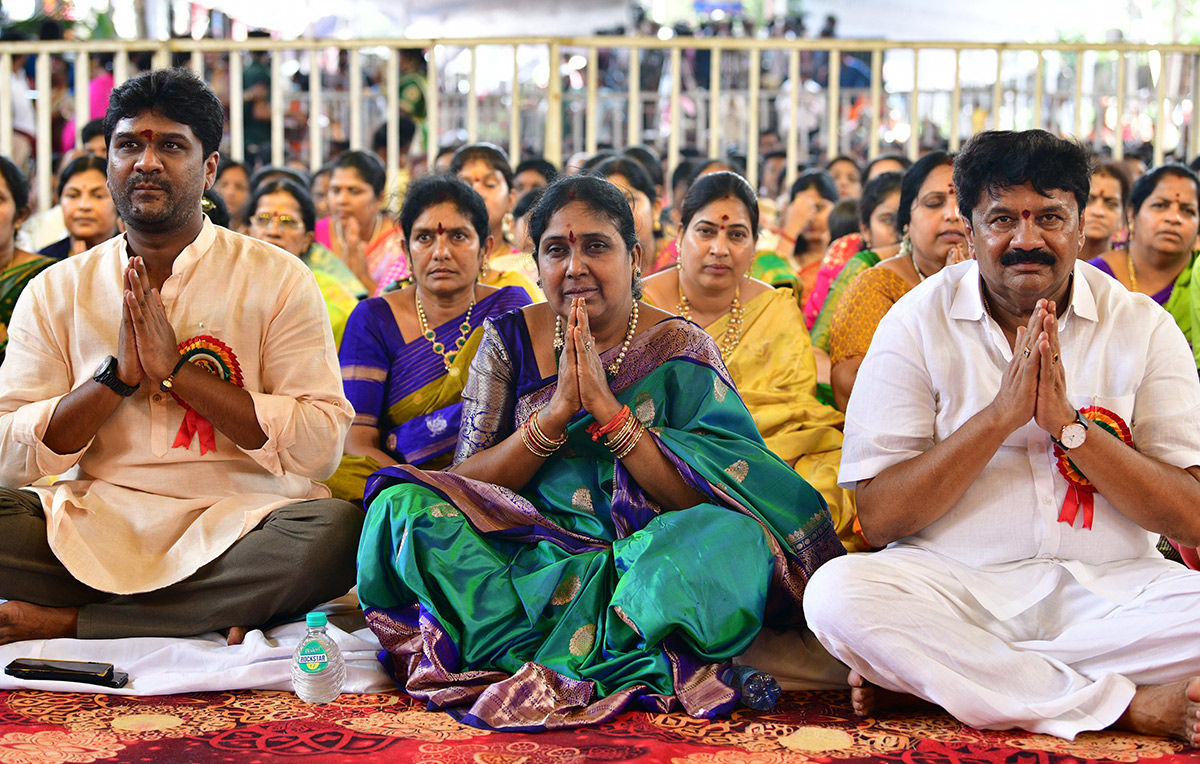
column 182, row 380
column 1013, row 591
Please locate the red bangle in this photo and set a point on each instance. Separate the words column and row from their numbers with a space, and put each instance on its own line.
column 596, row 431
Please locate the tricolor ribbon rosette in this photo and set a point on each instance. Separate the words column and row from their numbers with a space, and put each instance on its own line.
column 1080, row 491
column 215, row 357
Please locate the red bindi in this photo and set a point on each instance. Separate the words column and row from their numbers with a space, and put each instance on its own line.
column 571, row 236
column 724, row 217
column 148, row 134
column 440, row 229
column 1025, row 214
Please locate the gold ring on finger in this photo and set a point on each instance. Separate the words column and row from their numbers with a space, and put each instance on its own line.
column 1055, row 358
column 1026, row 351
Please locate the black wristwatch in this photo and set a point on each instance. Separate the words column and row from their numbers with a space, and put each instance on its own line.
column 107, row 376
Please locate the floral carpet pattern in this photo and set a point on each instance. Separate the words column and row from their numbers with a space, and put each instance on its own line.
column 59, row 728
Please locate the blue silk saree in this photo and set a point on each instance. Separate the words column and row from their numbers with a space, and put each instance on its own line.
column 579, row 597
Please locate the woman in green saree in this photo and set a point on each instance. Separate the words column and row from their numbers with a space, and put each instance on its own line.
column 613, row 531
column 17, row 267
column 404, row 355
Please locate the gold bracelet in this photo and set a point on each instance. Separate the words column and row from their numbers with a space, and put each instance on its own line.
column 621, row 441
column 528, row 439
column 637, row 435
column 542, row 439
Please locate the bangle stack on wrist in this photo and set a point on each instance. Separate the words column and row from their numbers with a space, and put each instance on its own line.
column 623, row 433
column 537, row 442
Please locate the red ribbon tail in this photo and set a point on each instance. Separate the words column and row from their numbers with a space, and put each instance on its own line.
column 187, row 430
column 1089, row 508
column 208, row 442
column 193, row 425
column 1070, row 506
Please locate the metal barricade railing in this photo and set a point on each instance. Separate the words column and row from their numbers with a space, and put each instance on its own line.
column 1105, row 94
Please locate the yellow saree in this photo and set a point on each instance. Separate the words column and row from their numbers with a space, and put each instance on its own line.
column 776, row 375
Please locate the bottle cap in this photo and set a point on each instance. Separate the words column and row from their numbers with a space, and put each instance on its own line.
column 315, row 620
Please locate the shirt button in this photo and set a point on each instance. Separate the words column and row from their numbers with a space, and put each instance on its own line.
column 1045, row 499
column 157, row 397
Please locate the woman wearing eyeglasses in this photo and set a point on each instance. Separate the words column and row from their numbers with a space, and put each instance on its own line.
column 283, row 214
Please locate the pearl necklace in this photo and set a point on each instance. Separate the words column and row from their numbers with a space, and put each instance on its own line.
column 917, row 268
column 733, row 334
column 613, row 368
column 464, row 331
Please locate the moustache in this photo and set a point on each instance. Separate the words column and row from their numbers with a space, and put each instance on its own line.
column 1035, row 256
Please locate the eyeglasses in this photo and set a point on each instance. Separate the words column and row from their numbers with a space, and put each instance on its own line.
column 263, row 220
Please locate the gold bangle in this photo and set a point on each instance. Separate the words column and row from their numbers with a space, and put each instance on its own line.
column 542, row 439
column 528, row 439
column 615, row 439
column 637, row 435
column 620, row 443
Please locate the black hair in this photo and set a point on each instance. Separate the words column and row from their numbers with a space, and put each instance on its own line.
column 226, row 164
column 904, row 162
column 682, row 173
column 843, row 158
column 91, row 130
column 213, row 205
column 1195, row 164
column 81, row 163
column 601, row 155
column 602, row 197
column 324, row 169
column 714, row 187
column 731, row 165
column 540, row 165
column 1117, row 173
column 821, row 180
column 843, row 218
column 407, row 129
column 18, row 186
column 1144, row 186
column 308, row 210
column 369, row 167
column 432, row 190
column 527, row 202
column 629, row 169
column 488, row 153
column 875, row 191
column 177, row 94
column 996, row 160
column 650, row 161
column 914, row 178
column 269, row 171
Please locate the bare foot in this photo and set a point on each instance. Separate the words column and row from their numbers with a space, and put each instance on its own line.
column 235, row 635
column 1165, row 710
column 21, row 620
column 867, row 698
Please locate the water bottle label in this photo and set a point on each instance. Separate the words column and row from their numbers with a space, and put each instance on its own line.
column 312, row 658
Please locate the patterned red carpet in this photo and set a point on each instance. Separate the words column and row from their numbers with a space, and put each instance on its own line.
column 268, row 727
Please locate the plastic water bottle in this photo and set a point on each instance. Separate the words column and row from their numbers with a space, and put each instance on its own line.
column 759, row 689
column 318, row 670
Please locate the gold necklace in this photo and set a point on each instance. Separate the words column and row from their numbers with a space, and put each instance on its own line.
column 613, row 368
column 1132, row 271
column 733, row 333
column 464, row 330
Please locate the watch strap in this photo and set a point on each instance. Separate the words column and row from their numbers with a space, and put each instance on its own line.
column 107, row 376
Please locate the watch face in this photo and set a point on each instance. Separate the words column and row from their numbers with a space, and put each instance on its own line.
column 1073, row 435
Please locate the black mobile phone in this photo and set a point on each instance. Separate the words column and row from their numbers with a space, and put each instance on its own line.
column 67, row 671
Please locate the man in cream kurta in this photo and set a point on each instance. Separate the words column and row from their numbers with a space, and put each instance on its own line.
column 182, row 382
column 1009, row 593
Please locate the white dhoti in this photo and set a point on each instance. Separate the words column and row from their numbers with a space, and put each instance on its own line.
column 1068, row 663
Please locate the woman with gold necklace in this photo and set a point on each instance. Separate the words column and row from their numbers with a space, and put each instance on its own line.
column 613, row 531
column 405, row 355
column 1162, row 241
column 760, row 333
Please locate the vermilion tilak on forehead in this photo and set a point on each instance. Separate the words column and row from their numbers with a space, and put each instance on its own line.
column 570, row 236
column 440, row 229
column 1025, row 214
column 148, row 134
